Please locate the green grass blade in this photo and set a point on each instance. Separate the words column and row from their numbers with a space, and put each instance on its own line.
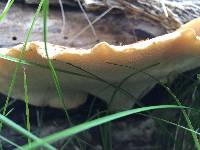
column 28, row 126
column 171, row 123
column 96, row 77
column 10, row 142
column 51, row 66
column 11, row 85
column 6, row 9
column 126, row 79
column 53, row 72
column 194, row 136
column 187, row 119
column 22, row 131
column 87, row 125
column 33, row 64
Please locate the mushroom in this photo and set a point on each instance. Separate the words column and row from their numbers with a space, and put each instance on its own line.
column 177, row 51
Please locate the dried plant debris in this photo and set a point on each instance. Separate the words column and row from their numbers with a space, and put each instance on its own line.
column 53, row 2
column 77, row 33
column 137, row 20
column 157, row 57
column 170, row 14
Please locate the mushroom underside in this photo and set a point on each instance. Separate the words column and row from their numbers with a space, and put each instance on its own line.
column 129, row 70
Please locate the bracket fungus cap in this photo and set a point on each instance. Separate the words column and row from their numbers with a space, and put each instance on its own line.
column 177, row 51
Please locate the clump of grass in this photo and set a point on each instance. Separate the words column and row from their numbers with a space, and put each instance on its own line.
column 96, row 122
column 187, row 119
column 12, row 82
column 35, row 142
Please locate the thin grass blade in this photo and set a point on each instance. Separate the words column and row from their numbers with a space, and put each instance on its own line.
column 22, row 131
column 12, row 82
column 53, row 72
column 28, row 126
column 87, row 125
column 6, row 9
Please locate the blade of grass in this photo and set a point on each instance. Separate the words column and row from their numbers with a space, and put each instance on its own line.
column 6, row 9
column 11, row 84
column 96, row 77
column 106, row 129
column 176, row 134
column 5, row 139
column 87, row 125
column 51, row 66
column 187, row 119
column 10, row 142
column 126, row 79
column 64, row 146
column 171, row 123
column 10, row 103
column 105, row 134
column 28, row 126
column 194, row 136
column 23, row 131
column 53, row 72
column 33, row 64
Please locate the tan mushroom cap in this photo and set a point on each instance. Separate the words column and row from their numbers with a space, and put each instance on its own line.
column 177, row 51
